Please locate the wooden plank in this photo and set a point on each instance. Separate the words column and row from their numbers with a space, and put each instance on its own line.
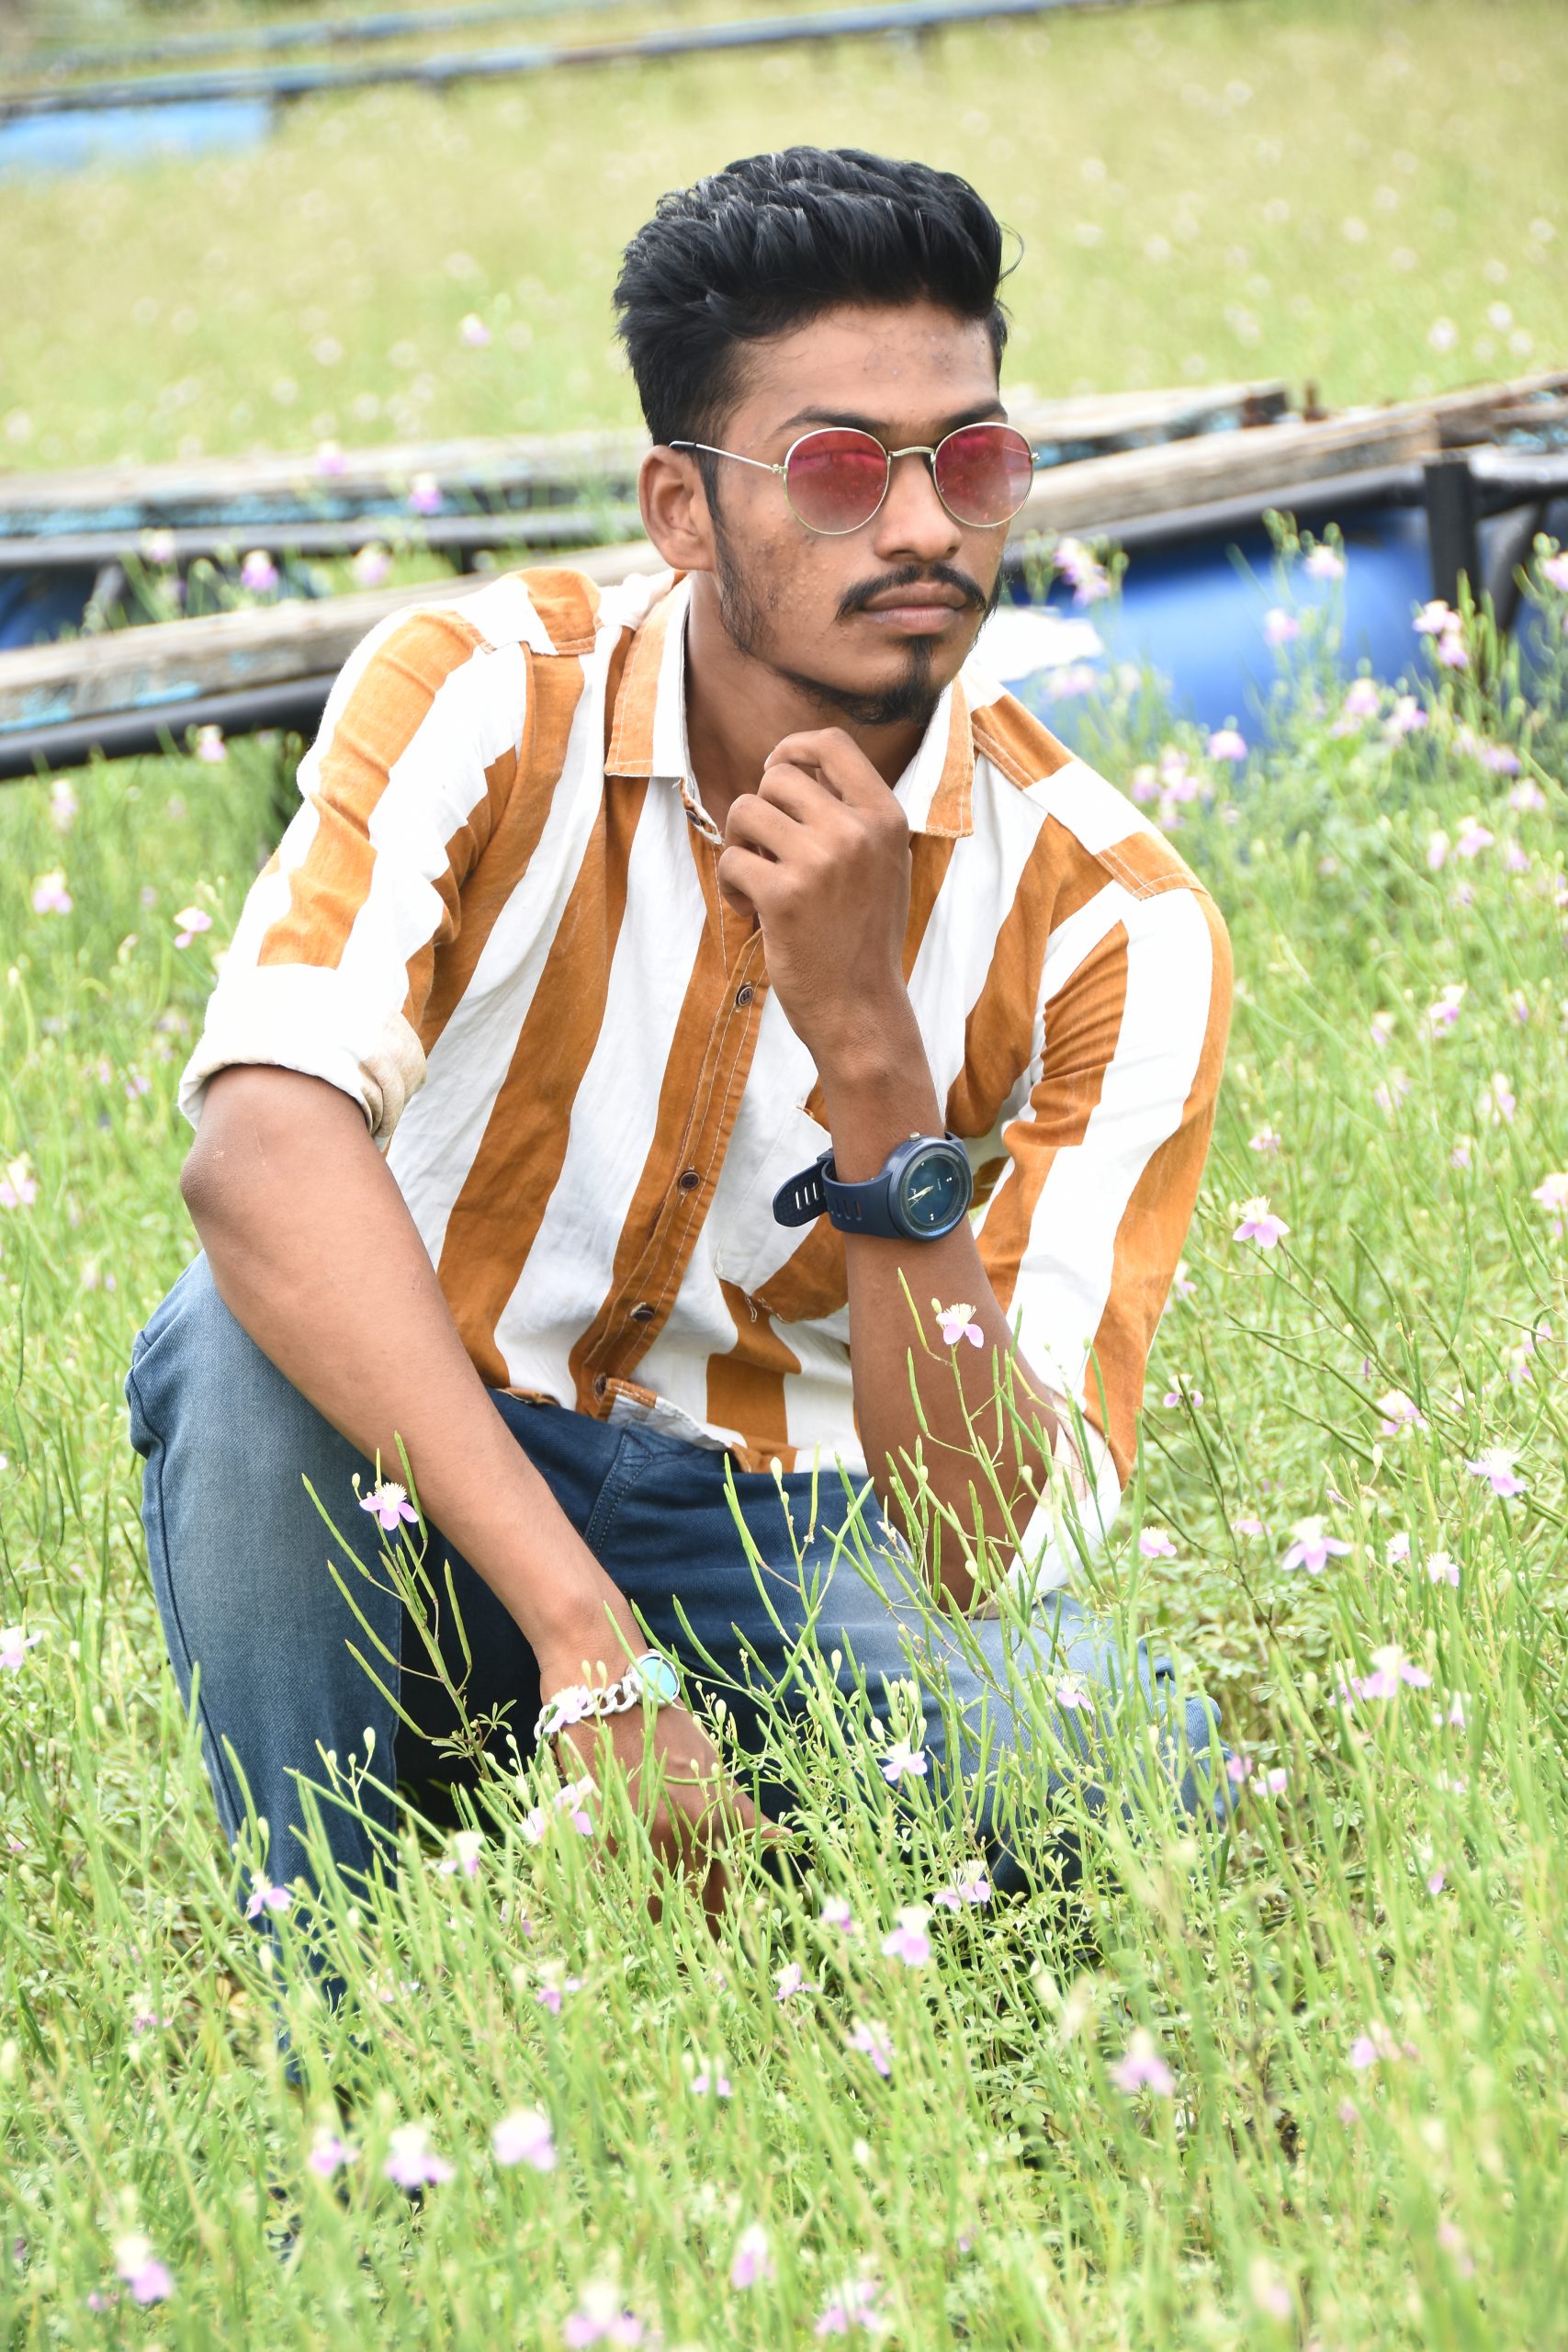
column 1103, row 491
column 255, row 497
column 178, row 660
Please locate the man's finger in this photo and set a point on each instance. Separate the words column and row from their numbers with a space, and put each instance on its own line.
column 835, row 757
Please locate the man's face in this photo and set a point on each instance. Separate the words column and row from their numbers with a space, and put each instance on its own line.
column 871, row 625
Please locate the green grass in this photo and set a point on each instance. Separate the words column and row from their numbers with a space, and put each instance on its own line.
column 1306, row 188
column 999, row 2185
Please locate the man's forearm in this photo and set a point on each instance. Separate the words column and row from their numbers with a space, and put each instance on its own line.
column 877, row 1093
column 314, row 1253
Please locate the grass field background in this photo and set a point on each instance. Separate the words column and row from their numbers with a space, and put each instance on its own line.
column 1299, row 2087
column 1369, row 194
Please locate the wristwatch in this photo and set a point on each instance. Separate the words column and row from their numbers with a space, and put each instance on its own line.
column 922, row 1190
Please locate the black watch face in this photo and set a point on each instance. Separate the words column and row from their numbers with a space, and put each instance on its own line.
column 934, row 1191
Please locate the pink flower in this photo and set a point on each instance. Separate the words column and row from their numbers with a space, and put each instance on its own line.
column 1071, row 1694
column 1528, row 798
column 1265, row 1141
column 1280, row 626
column 1247, row 1525
column 1259, row 1223
column 1473, row 837
column 789, row 1979
column 601, row 2317
column 1496, row 1102
column 1390, row 1668
column 1495, row 1465
column 1400, row 1414
column 473, row 331
column 1398, row 1549
column 330, row 459
column 872, row 2038
column 1382, row 1027
column 1434, row 618
column 390, row 1503
column 14, row 1644
column 1462, row 1154
column 266, row 1897
column 852, row 2308
column 753, row 2264
column 1225, row 743
column 1324, row 563
column 64, row 805
column 1440, row 1569
column 1376, row 2046
column 1239, row 1769
column 1275, row 1780
column 465, row 1854
column 51, row 896
column 412, row 2162
column 1181, row 1392
column 1552, row 1193
column 836, row 1913
column 134, row 2262
column 1404, row 719
column 1443, row 1011
column 258, row 573
column 425, row 495
column 1142, row 2067
column 1312, row 1549
column 329, row 2153
column 1451, row 2239
column 909, row 1940
column 711, row 2078
column 188, row 922
column 1155, row 1544
column 1181, row 1281
column 956, row 1323
column 371, row 566
column 1554, row 568
column 898, row 1759
column 211, row 747
column 553, row 1982
column 968, row 1885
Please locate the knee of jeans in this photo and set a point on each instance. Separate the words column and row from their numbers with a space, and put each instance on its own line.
column 194, row 1368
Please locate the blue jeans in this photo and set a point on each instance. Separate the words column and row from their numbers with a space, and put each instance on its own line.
column 239, row 1558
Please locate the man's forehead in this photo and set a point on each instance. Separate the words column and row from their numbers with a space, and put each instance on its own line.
column 910, row 363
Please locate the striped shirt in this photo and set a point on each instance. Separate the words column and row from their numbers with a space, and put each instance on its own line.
column 494, row 920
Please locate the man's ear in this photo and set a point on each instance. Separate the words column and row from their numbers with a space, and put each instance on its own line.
column 675, row 509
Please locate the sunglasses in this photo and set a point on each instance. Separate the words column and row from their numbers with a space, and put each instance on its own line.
column 836, row 478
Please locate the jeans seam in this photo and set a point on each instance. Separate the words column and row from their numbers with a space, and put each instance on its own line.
column 236, row 1809
column 619, row 1484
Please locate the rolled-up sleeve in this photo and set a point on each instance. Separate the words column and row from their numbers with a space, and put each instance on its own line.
column 330, row 969
column 1105, row 1151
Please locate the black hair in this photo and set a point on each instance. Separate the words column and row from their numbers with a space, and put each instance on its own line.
column 769, row 242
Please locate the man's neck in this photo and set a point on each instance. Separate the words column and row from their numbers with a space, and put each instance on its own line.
column 738, row 709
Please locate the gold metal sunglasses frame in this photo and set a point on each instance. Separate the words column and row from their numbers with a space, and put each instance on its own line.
column 915, row 449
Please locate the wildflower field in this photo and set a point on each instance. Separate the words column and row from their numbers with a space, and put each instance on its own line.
column 1299, row 2082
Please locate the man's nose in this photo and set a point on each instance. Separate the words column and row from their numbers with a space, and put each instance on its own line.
column 912, row 520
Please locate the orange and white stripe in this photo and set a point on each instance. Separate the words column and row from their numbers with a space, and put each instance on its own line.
column 495, row 921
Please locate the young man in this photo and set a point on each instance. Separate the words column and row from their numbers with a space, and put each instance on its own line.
column 606, row 920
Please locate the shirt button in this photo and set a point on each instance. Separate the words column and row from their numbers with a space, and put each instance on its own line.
column 601, row 1382
column 689, row 1179
column 643, row 1314
column 745, row 992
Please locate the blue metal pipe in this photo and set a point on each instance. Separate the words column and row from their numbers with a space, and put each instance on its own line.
column 278, row 82
column 319, row 32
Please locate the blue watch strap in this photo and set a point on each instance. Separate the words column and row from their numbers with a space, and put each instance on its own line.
column 865, row 1207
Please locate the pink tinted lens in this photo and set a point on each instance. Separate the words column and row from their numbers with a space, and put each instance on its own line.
column 983, row 472
column 836, row 479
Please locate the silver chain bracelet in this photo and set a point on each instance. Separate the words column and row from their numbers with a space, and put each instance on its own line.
column 651, row 1676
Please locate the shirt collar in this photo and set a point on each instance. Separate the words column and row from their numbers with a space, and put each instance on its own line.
column 649, row 733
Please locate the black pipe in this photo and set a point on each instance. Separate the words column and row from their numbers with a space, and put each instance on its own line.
column 296, row 703
column 279, row 83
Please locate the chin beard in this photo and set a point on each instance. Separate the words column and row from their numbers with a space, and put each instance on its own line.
column 911, row 697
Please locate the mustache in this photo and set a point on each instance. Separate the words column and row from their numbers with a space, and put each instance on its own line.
column 915, row 575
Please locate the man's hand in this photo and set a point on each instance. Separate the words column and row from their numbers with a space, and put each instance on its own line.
column 820, row 854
